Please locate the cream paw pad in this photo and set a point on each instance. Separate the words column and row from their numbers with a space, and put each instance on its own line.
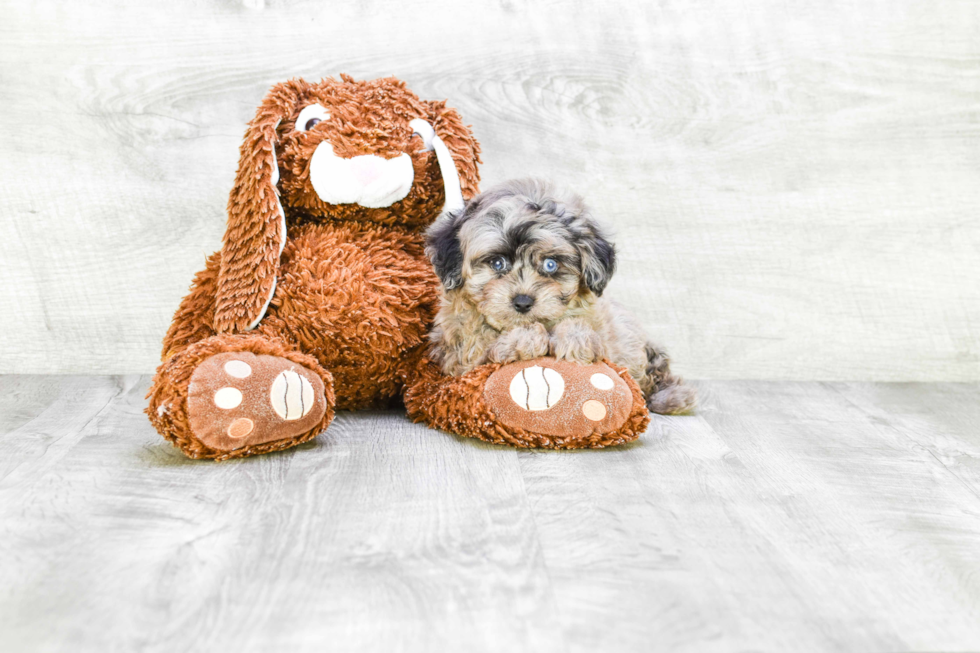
column 559, row 398
column 238, row 399
column 537, row 388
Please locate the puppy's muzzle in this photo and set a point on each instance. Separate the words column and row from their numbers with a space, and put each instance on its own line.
column 522, row 303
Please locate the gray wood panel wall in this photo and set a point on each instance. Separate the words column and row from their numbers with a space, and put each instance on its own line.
column 795, row 185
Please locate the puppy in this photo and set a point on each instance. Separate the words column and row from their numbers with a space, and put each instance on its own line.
column 523, row 267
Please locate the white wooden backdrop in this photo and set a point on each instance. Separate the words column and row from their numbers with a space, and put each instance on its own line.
column 795, row 184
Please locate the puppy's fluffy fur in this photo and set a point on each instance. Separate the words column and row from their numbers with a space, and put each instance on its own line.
column 504, row 301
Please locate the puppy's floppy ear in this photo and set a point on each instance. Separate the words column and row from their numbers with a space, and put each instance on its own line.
column 444, row 249
column 461, row 143
column 598, row 256
column 256, row 232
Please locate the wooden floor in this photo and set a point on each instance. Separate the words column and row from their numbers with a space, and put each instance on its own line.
column 783, row 517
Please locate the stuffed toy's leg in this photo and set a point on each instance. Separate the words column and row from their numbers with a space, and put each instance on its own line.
column 544, row 402
column 228, row 396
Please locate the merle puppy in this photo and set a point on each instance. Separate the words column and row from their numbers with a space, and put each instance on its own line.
column 523, row 267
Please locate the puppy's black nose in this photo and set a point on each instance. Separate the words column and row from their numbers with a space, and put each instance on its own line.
column 523, row 303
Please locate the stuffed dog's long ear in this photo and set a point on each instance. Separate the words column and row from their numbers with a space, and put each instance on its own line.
column 256, row 232
column 461, row 143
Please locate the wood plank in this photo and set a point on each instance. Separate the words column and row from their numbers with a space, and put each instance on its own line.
column 51, row 416
column 24, row 397
column 941, row 418
column 779, row 174
column 781, row 518
column 785, row 516
column 380, row 536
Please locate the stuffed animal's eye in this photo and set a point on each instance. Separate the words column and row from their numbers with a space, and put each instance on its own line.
column 310, row 116
column 549, row 265
column 498, row 263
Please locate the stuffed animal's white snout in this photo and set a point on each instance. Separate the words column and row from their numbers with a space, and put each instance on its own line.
column 369, row 180
column 375, row 182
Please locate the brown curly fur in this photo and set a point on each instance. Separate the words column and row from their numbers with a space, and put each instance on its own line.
column 457, row 404
column 365, row 118
column 359, row 298
column 354, row 293
column 168, row 394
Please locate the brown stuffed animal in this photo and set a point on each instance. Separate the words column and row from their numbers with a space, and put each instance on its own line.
column 321, row 297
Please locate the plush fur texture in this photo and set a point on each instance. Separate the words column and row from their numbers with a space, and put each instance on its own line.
column 523, row 267
column 341, row 291
column 359, row 297
column 168, row 394
column 458, row 404
column 365, row 118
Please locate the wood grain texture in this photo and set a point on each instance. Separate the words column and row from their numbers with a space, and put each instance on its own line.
column 787, row 516
column 794, row 184
column 783, row 518
column 111, row 540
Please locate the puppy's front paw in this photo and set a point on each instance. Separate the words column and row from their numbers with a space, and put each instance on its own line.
column 576, row 342
column 520, row 344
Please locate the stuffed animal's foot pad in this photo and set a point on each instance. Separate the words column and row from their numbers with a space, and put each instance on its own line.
column 559, row 398
column 239, row 399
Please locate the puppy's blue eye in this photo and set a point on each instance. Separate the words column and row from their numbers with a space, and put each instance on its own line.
column 498, row 263
column 549, row 265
